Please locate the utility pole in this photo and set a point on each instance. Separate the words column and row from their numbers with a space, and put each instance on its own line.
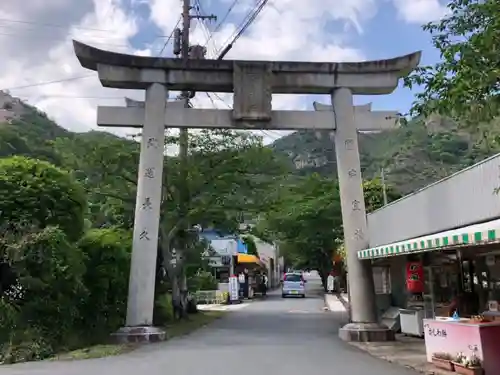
column 181, row 46
column 182, row 40
column 384, row 189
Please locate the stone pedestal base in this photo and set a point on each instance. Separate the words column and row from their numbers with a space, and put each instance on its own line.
column 139, row 335
column 366, row 332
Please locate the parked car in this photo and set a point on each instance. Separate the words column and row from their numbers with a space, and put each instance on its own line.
column 293, row 285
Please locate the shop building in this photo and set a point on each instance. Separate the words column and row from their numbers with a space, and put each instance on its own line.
column 435, row 254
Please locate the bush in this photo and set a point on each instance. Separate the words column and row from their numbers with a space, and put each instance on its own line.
column 163, row 311
column 28, row 345
column 191, row 308
column 202, row 280
column 41, row 308
column 36, row 192
column 107, row 261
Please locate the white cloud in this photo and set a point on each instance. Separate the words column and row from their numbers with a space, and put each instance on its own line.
column 285, row 30
column 420, row 11
column 292, row 30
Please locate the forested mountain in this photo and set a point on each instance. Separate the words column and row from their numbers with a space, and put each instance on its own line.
column 413, row 156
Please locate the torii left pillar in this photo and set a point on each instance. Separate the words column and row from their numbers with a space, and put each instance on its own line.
column 139, row 324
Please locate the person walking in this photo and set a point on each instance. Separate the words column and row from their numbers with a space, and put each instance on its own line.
column 330, row 283
column 265, row 283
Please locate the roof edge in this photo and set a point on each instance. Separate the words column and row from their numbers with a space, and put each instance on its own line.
column 90, row 57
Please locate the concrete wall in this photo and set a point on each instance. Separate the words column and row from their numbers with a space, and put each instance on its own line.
column 466, row 197
column 266, row 252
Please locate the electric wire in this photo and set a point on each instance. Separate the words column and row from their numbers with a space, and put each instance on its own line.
column 52, row 25
column 265, row 132
column 246, row 24
column 223, row 19
column 251, row 16
column 43, row 83
column 202, row 23
column 47, row 37
column 170, row 36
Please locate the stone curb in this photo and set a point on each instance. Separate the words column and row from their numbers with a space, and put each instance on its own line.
column 366, row 349
column 343, row 301
column 434, row 371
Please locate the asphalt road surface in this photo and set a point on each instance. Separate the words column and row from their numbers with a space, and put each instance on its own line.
column 277, row 336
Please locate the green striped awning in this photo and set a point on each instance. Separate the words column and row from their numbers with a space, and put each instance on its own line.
column 472, row 235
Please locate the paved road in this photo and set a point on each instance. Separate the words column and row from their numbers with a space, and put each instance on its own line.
column 292, row 336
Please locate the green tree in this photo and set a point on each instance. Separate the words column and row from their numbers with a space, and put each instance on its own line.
column 106, row 166
column 308, row 222
column 250, row 244
column 107, row 262
column 36, row 192
column 42, row 305
column 464, row 84
column 229, row 173
column 374, row 194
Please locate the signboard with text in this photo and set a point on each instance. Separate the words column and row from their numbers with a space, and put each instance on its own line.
column 234, row 289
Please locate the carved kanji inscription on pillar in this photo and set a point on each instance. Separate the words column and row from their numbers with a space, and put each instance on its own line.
column 144, row 236
column 355, row 205
column 149, row 173
column 147, row 204
column 252, row 92
column 152, row 142
column 349, row 144
column 358, row 234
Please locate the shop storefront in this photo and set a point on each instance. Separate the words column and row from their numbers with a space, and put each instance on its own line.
column 248, row 267
column 452, row 282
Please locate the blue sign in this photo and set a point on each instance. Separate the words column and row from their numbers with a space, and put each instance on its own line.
column 241, row 247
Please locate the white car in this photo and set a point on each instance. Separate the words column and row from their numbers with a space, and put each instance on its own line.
column 293, row 285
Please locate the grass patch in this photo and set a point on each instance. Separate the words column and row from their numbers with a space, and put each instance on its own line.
column 96, row 351
column 194, row 322
column 180, row 328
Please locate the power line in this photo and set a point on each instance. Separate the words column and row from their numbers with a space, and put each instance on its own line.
column 251, row 16
column 92, row 41
column 265, row 132
column 48, row 37
column 224, row 18
column 43, row 96
column 249, row 20
column 204, row 27
column 211, row 99
column 46, row 83
column 53, row 25
column 245, row 19
column 170, row 36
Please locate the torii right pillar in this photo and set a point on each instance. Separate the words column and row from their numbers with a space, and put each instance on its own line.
column 363, row 325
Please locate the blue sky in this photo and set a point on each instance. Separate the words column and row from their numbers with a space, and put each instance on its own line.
column 385, row 35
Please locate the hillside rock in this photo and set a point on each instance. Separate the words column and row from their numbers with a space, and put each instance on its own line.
column 413, row 156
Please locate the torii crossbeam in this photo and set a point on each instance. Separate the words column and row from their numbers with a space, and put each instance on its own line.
column 176, row 116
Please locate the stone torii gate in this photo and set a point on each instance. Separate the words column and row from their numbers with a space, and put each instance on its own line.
column 253, row 83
